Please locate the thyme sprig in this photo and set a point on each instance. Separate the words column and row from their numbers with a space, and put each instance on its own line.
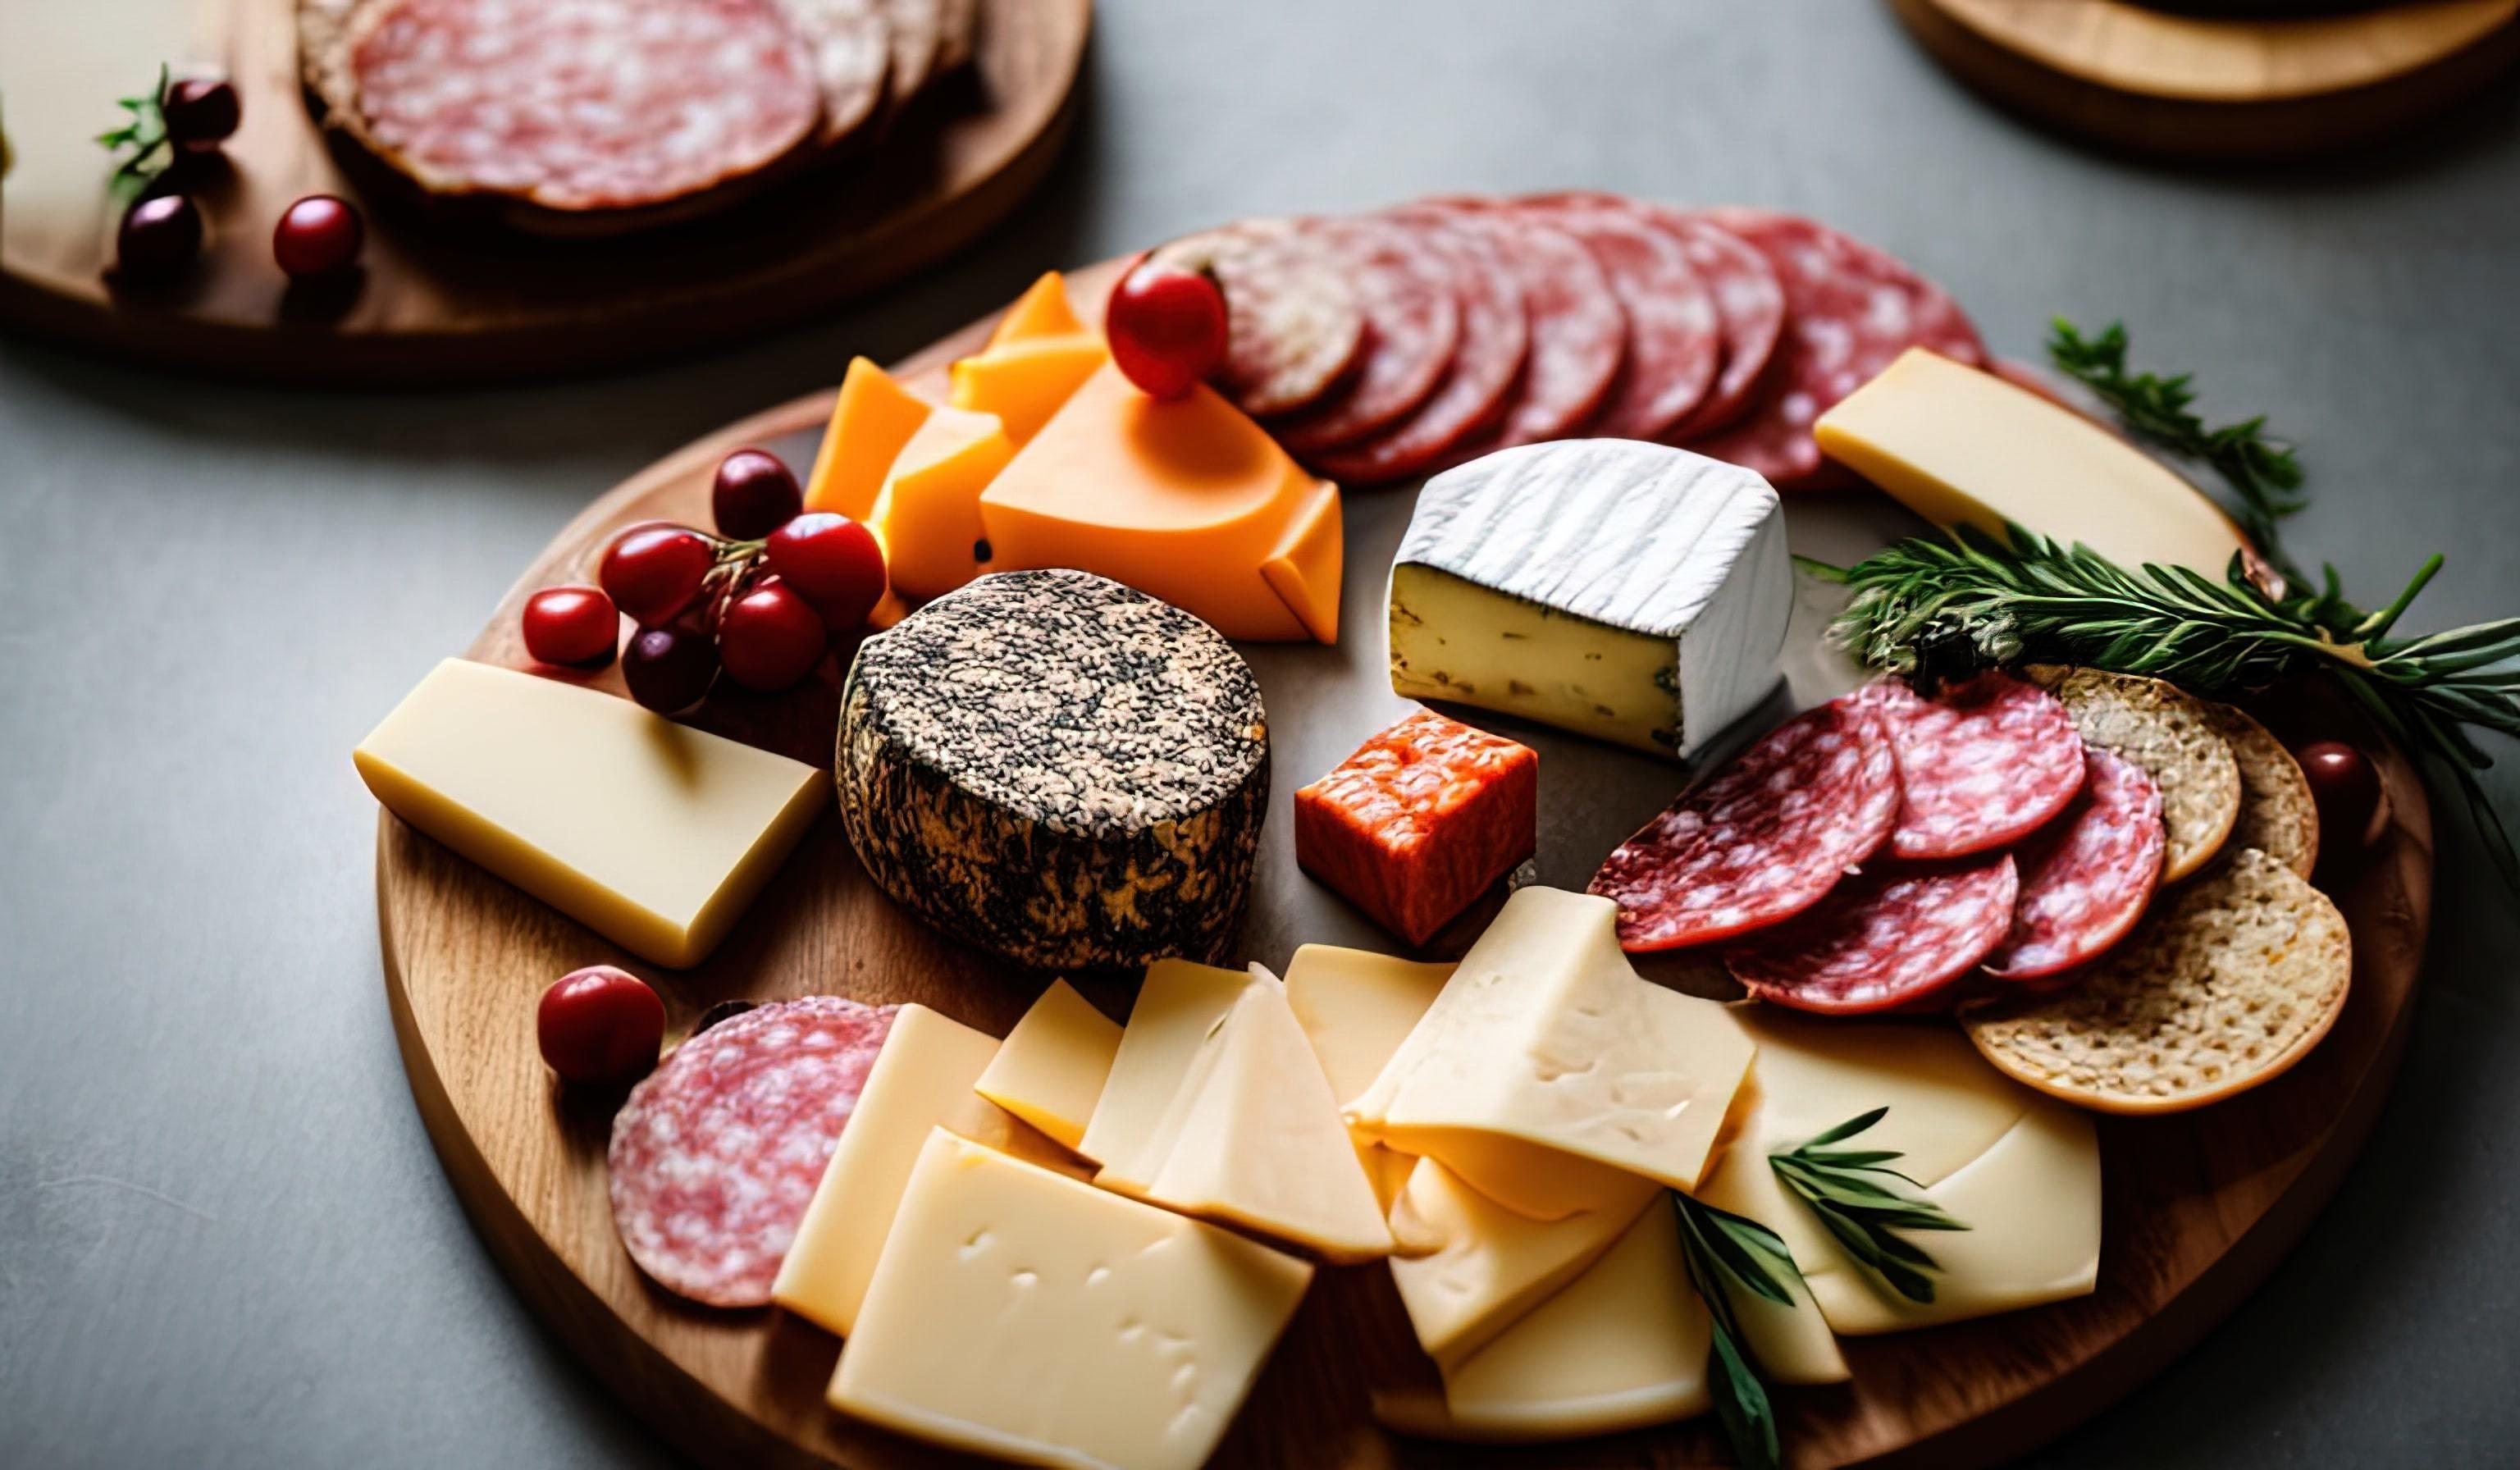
column 153, row 148
column 1722, row 1248
column 1847, row 1190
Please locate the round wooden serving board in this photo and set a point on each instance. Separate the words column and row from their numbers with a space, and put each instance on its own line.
column 2192, row 86
column 437, row 306
column 2198, row 1208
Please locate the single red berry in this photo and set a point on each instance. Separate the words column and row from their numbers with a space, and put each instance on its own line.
column 317, row 235
column 833, row 562
column 576, row 627
column 159, row 237
column 202, row 113
column 670, row 669
column 754, row 495
column 2347, row 788
column 653, row 571
column 769, row 638
column 600, row 1026
column 1166, row 327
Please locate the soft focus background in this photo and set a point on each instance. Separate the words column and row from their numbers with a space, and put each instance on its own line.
column 224, row 1239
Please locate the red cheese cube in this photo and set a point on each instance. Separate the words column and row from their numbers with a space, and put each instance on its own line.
column 1416, row 825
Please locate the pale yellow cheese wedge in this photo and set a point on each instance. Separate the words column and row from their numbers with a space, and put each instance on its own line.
column 1179, row 1008
column 1050, row 1068
column 1472, row 1268
column 1356, row 1008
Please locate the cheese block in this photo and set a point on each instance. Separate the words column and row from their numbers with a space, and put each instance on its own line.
column 1058, row 770
column 1356, row 1008
column 928, row 512
column 1547, row 1070
column 2021, row 1171
column 656, row 835
column 921, row 1081
column 1472, row 1268
column 1623, row 1347
column 1620, row 590
column 1042, row 310
column 872, row 419
column 1023, row 382
column 1028, row 1316
column 1181, row 1008
column 1050, row 1068
column 1963, row 447
column 1186, row 499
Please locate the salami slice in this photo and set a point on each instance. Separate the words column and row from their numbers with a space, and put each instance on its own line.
column 717, row 1152
column 1496, row 337
column 1675, row 338
column 1579, row 332
column 1413, row 320
column 1764, row 839
column 1885, row 938
column 582, row 105
column 1850, row 309
column 2086, row 880
column 1293, row 325
column 1982, row 765
column 1749, row 301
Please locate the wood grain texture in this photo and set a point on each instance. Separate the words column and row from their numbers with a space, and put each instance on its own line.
column 2209, row 89
column 438, row 305
column 2197, row 1208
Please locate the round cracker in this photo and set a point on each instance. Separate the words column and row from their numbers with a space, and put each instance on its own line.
column 2278, row 815
column 2222, row 989
column 2174, row 737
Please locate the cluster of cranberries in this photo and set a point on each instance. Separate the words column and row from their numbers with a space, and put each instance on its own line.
column 759, row 600
column 319, row 237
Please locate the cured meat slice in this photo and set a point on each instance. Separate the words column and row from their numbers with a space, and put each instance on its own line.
column 852, row 46
column 583, row 104
column 1764, row 839
column 1982, row 765
column 1675, row 338
column 1496, row 337
column 917, row 29
column 2086, row 880
column 1749, row 301
column 1412, row 320
column 1850, row 309
column 1293, row 324
column 716, row 1153
column 1885, row 938
column 1579, row 332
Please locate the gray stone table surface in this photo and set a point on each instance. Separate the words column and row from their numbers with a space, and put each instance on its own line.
column 224, row 1240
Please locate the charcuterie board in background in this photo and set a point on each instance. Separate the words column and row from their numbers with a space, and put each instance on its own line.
column 2197, row 1208
column 449, row 306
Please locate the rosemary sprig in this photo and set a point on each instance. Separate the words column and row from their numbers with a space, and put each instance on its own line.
column 153, row 148
column 1720, row 1247
column 1844, row 1187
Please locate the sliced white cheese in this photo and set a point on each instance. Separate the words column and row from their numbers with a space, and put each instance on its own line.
column 1547, row 1070
column 1179, row 1008
column 1356, row 1008
column 1050, row 1068
column 1624, row 591
column 1474, row 1267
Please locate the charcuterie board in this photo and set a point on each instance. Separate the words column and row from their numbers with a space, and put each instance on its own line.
column 2197, row 1209
column 437, row 305
column 2252, row 82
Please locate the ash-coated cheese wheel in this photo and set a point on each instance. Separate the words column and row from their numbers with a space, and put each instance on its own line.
column 1981, row 765
column 1884, row 940
column 717, row 1152
column 1059, row 769
column 2086, row 880
column 1764, row 839
column 1413, row 320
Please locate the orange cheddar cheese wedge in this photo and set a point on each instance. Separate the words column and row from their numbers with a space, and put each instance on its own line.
column 874, row 418
column 928, row 513
column 1042, row 310
column 1188, row 500
column 1025, row 382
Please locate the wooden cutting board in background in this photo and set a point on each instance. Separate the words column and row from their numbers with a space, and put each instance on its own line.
column 434, row 307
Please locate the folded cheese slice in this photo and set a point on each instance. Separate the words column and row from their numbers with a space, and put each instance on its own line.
column 1472, row 1268
column 1356, row 1008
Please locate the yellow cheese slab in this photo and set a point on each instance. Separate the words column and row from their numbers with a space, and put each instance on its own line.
column 1050, row 1068
column 651, row 834
column 1025, row 1316
column 928, row 512
column 1963, row 447
column 1188, row 500
column 921, row 1081
column 1548, row 1069
column 1025, row 382
column 1475, row 1268
column 1042, row 310
column 1356, row 1008
column 872, row 419
column 1180, row 1007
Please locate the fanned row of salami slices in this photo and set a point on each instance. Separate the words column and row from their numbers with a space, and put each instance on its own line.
column 1877, row 852
column 1390, row 346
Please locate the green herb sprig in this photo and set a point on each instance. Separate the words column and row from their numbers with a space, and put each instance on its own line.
column 153, row 148
column 1846, row 1188
column 1722, row 1247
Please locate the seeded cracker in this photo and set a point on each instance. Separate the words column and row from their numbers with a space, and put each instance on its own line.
column 2172, row 736
column 2277, row 814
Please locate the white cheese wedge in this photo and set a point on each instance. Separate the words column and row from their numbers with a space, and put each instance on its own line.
column 921, row 1081
column 2020, row 1170
column 1621, row 589
column 1547, row 1070
column 1025, row 1316
column 1624, row 1345
column 1356, row 1008
column 653, row 834
column 1473, row 1268
column 1050, row 1068
column 1960, row 446
column 1179, row 1008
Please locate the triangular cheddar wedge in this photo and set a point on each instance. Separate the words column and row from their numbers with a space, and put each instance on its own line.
column 872, row 420
column 1042, row 310
column 928, row 513
column 1023, row 382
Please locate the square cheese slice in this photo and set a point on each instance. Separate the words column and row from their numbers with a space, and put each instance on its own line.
column 1022, row 1315
column 1548, row 1068
column 1050, row 1068
column 921, row 1081
column 1624, row 591
column 651, row 834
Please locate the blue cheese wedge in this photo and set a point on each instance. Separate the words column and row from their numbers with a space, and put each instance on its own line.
column 1624, row 591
